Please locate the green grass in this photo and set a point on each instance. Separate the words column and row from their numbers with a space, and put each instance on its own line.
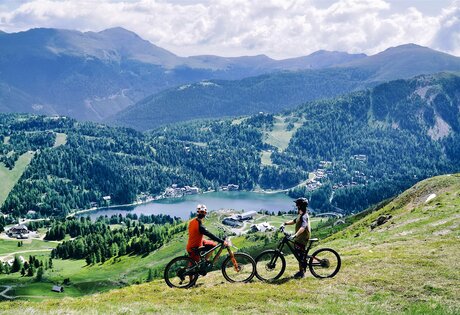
column 85, row 279
column 408, row 265
column 266, row 158
column 9, row 178
column 11, row 245
column 279, row 136
column 61, row 139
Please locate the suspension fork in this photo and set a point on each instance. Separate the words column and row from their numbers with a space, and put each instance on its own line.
column 232, row 258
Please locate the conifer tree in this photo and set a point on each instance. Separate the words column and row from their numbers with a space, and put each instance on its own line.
column 17, row 264
column 39, row 276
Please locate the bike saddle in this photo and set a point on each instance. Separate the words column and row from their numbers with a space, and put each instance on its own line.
column 199, row 250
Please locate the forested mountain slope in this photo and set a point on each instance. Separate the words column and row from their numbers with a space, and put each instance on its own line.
column 279, row 91
column 359, row 149
column 383, row 140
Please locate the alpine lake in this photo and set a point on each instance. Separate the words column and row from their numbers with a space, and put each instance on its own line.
column 222, row 200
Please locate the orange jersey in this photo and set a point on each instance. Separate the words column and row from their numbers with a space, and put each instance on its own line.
column 195, row 234
column 195, row 237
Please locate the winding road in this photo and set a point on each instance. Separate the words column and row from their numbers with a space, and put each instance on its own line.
column 3, row 293
column 2, row 258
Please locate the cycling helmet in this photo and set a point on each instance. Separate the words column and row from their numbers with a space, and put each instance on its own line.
column 301, row 202
column 201, row 209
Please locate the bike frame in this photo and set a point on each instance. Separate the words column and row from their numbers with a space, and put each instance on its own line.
column 204, row 254
column 286, row 241
column 221, row 248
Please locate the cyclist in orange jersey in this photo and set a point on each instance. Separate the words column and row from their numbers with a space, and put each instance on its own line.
column 196, row 231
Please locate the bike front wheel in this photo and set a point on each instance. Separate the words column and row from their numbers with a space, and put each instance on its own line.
column 241, row 269
column 181, row 272
column 270, row 265
column 324, row 263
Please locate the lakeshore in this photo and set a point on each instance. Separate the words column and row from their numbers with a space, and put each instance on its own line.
column 182, row 206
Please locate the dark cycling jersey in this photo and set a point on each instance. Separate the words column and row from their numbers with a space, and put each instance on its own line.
column 302, row 221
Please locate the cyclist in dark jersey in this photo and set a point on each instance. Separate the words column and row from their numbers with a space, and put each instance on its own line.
column 196, row 231
column 302, row 232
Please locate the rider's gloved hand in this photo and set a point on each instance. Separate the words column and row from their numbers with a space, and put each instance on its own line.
column 291, row 237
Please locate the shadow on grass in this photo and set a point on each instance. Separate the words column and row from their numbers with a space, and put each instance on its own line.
column 280, row 281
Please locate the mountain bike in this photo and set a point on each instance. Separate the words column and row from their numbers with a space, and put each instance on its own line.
column 271, row 264
column 183, row 271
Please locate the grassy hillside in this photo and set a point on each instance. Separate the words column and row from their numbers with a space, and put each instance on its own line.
column 407, row 265
column 10, row 177
column 115, row 272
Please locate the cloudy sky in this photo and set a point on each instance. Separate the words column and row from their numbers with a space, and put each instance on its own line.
column 277, row 28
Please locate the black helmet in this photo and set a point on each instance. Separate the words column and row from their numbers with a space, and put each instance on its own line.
column 303, row 202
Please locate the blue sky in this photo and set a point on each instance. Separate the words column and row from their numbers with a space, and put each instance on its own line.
column 277, row 28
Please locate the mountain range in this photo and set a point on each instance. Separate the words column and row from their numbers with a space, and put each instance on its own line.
column 90, row 76
column 117, row 77
column 279, row 91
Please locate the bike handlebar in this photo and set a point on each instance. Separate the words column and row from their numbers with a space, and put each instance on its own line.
column 229, row 242
column 281, row 229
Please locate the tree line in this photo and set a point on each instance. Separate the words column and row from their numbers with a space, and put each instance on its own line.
column 96, row 241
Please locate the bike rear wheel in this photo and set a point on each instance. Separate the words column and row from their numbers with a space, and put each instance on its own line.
column 270, row 265
column 243, row 271
column 181, row 272
column 324, row 263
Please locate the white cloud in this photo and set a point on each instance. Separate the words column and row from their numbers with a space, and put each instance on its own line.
column 447, row 38
column 279, row 28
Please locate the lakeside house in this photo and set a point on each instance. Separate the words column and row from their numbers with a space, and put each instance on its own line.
column 176, row 192
column 191, row 190
column 107, row 200
column 230, row 187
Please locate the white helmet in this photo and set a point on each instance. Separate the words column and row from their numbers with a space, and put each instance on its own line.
column 201, row 208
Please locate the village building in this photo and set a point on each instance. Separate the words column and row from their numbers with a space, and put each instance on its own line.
column 360, row 157
column 325, row 164
column 191, row 190
column 57, row 288
column 262, row 227
column 231, row 221
column 246, row 216
column 230, row 187
column 107, row 200
column 233, row 187
column 18, row 231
